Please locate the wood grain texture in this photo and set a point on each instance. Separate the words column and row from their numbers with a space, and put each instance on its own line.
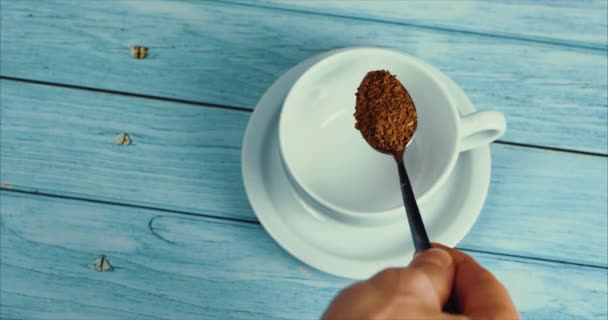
column 568, row 23
column 182, row 156
column 549, row 205
column 229, row 54
column 171, row 266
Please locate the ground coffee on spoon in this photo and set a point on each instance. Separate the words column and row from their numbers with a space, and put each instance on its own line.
column 384, row 112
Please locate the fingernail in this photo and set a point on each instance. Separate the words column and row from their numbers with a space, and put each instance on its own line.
column 435, row 256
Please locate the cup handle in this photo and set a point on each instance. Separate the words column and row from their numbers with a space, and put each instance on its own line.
column 481, row 127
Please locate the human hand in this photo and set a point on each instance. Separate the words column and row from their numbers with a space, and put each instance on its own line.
column 422, row 289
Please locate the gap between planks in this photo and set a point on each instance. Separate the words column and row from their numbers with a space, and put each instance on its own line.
column 244, row 109
column 247, row 110
column 127, row 94
column 38, row 193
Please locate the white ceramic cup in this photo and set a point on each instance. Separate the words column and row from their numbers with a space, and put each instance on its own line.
column 332, row 166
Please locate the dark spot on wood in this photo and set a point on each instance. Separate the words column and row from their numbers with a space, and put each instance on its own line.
column 102, row 264
column 30, row 15
column 139, row 52
column 123, row 139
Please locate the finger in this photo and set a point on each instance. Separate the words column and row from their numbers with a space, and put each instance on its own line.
column 417, row 291
column 438, row 266
column 364, row 301
column 448, row 316
column 358, row 301
column 478, row 293
column 379, row 298
column 427, row 281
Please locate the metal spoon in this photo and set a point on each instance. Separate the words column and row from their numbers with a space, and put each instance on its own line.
column 419, row 235
column 417, row 229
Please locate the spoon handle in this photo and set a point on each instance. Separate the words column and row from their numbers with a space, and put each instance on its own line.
column 421, row 239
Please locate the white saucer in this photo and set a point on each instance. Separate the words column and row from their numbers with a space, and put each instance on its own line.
column 337, row 248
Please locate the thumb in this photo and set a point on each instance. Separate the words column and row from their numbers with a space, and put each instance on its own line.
column 418, row 291
column 436, row 268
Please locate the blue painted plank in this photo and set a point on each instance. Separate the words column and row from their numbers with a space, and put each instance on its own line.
column 545, row 204
column 171, row 266
column 166, row 139
column 229, row 54
column 568, row 23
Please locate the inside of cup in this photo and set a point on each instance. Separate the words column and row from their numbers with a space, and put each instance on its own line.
column 330, row 159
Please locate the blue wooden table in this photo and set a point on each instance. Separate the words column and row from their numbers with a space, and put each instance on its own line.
column 167, row 208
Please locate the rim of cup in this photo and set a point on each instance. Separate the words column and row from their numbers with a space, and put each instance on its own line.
column 367, row 217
